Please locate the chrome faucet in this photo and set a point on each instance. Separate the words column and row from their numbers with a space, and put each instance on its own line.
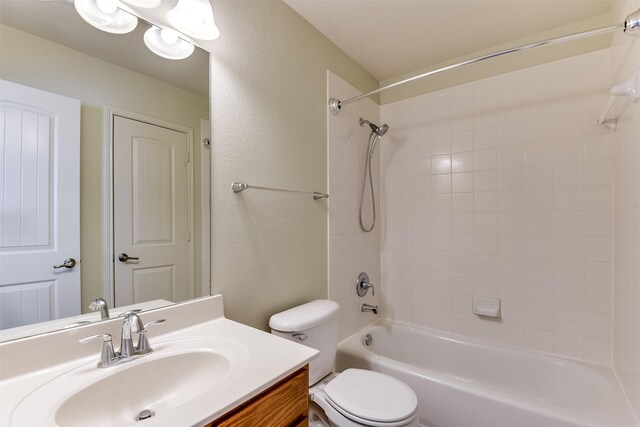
column 368, row 308
column 129, row 351
column 130, row 325
column 100, row 304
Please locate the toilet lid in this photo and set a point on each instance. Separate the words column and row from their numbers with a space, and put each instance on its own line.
column 371, row 396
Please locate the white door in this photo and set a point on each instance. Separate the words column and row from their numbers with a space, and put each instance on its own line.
column 39, row 205
column 151, row 213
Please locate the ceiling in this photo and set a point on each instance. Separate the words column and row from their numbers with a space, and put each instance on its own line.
column 390, row 38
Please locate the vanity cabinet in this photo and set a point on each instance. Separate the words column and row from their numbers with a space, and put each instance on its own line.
column 286, row 404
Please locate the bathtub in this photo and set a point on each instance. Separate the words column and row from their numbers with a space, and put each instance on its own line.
column 463, row 382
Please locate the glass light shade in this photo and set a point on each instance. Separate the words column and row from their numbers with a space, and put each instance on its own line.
column 106, row 16
column 143, row 3
column 168, row 43
column 195, row 19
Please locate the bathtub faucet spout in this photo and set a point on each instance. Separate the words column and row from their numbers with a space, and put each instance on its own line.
column 369, row 308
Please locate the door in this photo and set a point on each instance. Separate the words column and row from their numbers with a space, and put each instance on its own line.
column 150, row 213
column 39, row 205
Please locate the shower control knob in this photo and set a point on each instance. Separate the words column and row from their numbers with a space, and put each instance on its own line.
column 363, row 285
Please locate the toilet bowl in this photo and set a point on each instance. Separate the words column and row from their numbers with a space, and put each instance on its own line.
column 358, row 397
column 355, row 397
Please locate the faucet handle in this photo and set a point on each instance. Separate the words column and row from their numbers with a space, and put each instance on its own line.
column 363, row 285
column 107, row 355
column 143, row 345
column 153, row 322
column 105, row 338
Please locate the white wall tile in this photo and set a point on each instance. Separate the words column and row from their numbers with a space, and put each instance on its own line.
column 462, row 182
column 462, row 161
column 462, row 141
column 511, row 133
column 539, row 153
column 511, row 156
column 513, row 200
column 485, row 137
column 485, row 159
column 351, row 250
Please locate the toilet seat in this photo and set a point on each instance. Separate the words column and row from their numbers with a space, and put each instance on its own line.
column 368, row 398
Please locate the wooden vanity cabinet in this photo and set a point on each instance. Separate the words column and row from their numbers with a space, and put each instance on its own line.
column 286, row 404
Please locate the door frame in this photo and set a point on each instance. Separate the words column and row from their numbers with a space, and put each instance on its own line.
column 107, row 215
column 205, row 194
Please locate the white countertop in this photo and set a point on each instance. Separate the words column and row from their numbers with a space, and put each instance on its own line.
column 269, row 360
column 54, row 325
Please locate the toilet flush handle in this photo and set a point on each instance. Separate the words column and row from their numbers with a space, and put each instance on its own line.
column 299, row 336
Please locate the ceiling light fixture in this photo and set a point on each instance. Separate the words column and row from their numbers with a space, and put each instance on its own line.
column 106, row 16
column 168, row 43
column 195, row 19
column 191, row 17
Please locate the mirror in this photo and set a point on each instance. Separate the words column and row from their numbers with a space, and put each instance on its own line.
column 139, row 172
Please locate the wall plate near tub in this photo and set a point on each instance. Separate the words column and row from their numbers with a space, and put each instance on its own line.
column 487, row 307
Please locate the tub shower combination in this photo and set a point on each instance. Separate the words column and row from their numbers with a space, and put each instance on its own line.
column 464, row 382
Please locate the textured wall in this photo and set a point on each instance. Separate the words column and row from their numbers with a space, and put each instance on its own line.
column 268, row 101
column 351, row 250
column 502, row 188
column 98, row 84
column 626, row 221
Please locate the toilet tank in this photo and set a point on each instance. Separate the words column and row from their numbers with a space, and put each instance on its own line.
column 314, row 324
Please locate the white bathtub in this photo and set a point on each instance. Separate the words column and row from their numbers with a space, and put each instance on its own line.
column 462, row 382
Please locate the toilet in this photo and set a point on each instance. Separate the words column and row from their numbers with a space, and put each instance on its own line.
column 355, row 397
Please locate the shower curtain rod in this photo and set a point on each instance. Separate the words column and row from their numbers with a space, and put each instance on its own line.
column 631, row 26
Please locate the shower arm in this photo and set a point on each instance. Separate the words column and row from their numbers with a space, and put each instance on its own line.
column 631, row 26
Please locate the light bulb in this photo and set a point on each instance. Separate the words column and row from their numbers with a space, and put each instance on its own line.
column 107, row 6
column 106, row 16
column 148, row 4
column 168, row 43
column 195, row 19
column 169, row 36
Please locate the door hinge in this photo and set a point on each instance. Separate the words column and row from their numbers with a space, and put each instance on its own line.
column 188, row 156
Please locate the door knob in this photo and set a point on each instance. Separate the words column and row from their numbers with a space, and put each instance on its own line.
column 68, row 263
column 124, row 258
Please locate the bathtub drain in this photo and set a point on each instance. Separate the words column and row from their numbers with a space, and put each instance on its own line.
column 143, row 415
column 367, row 340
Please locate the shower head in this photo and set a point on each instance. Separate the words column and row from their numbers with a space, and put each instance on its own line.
column 632, row 24
column 378, row 130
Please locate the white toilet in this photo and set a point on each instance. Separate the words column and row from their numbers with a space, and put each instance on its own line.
column 354, row 398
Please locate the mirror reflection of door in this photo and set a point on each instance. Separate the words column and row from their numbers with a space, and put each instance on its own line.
column 39, row 205
column 152, row 212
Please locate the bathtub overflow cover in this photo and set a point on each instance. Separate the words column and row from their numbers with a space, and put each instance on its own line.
column 143, row 415
column 367, row 340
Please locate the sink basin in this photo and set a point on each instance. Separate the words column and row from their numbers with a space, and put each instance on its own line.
column 176, row 373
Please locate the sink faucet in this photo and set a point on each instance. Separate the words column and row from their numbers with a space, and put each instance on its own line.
column 130, row 325
column 129, row 351
column 369, row 308
column 101, row 305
